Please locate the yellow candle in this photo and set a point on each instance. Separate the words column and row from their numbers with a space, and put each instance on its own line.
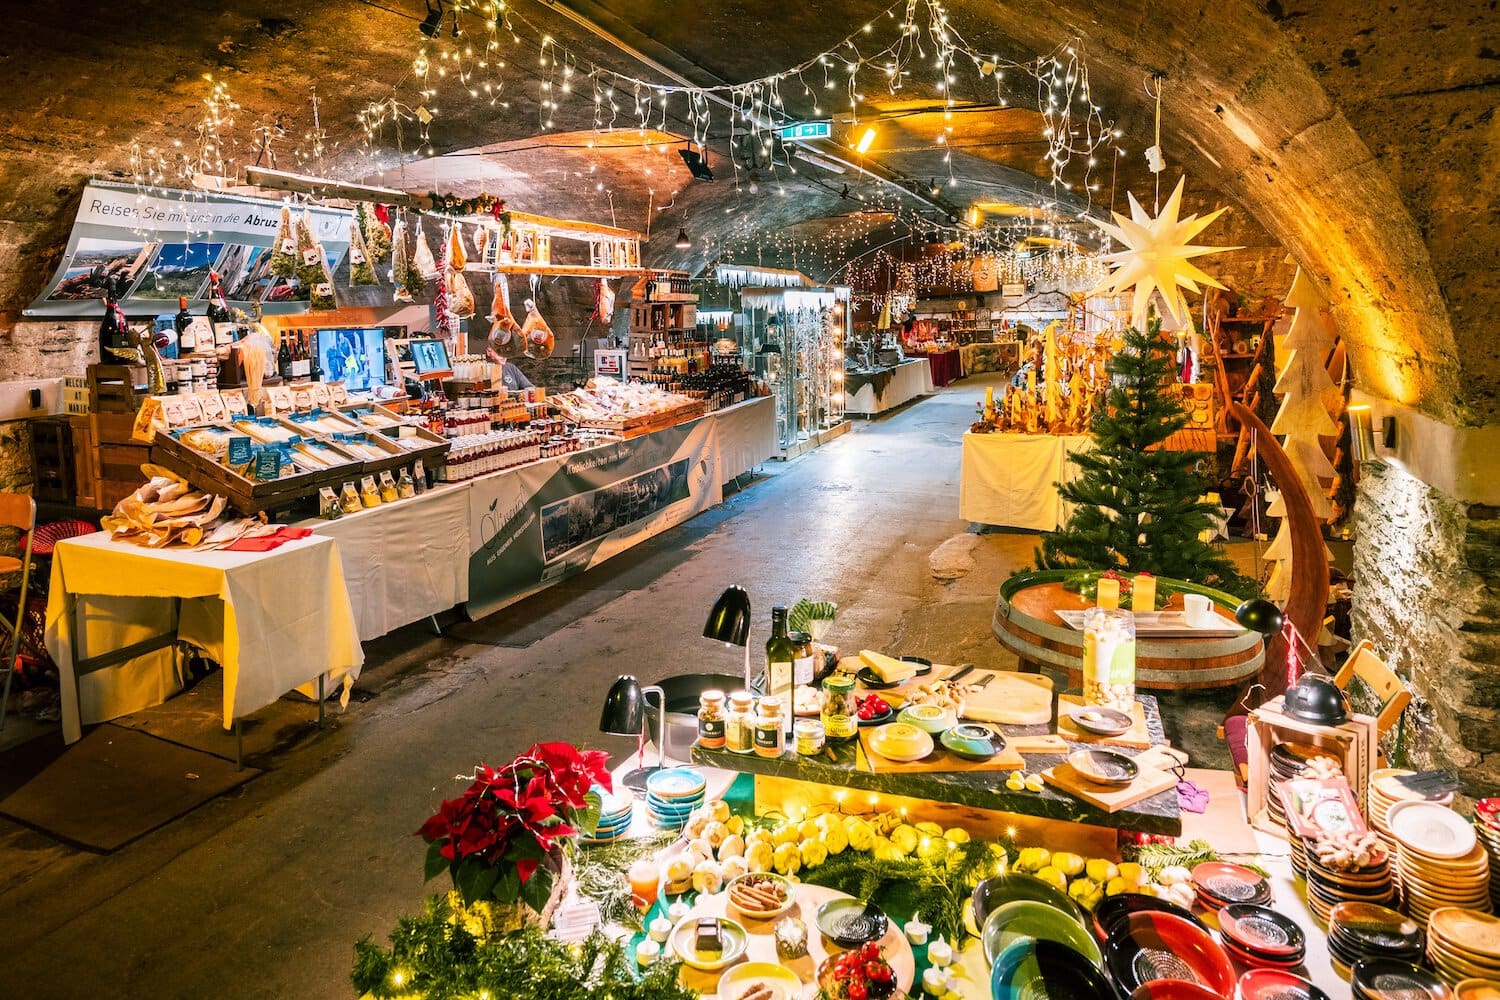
column 1031, row 381
column 989, row 397
column 1143, row 590
column 1109, row 593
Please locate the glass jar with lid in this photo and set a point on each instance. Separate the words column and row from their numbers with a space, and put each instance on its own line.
column 1109, row 658
column 809, row 737
column 739, row 723
column 711, row 720
column 803, row 662
column 840, row 708
column 770, row 739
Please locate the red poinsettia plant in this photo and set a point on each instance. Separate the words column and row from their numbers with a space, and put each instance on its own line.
column 496, row 839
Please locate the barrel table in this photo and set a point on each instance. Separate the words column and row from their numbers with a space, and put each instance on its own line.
column 1026, row 623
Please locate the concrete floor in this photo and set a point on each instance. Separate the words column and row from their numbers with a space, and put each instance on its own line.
column 262, row 893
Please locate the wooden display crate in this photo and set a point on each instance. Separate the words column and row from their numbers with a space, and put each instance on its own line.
column 1354, row 744
column 52, row 468
column 112, row 388
column 632, row 427
column 249, row 496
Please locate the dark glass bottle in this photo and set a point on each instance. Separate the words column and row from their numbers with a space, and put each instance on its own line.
column 284, row 359
column 781, row 653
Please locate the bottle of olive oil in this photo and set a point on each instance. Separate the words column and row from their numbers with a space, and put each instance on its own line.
column 780, row 655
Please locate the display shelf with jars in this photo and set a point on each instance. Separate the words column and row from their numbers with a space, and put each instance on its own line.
column 664, row 334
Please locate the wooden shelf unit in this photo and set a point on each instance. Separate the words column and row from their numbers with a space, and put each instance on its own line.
column 666, row 318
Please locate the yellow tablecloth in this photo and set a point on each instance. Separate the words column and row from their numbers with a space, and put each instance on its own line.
column 1011, row 479
column 274, row 621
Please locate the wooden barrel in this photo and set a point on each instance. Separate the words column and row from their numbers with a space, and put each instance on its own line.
column 1026, row 623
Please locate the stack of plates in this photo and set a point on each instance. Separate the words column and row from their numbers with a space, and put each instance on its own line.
column 1360, row 932
column 615, row 815
column 1383, row 979
column 1327, row 887
column 1386, row 791
column 1260, row 938
column 1287, row 761
column 1219, row 884
column 1439, row 860
column 672, row 795
column 1487, row 827
column 1463, row 944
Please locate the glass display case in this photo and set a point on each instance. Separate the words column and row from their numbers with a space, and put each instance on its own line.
column 794, row 339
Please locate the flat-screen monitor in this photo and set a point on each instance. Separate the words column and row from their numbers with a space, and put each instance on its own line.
column 430, row 358
column 354, row 356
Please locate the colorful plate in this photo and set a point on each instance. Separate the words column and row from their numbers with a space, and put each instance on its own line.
column 684, row 938
column 1173, row 989
column 1220, row 883
column 1026, row 918
column 994, row 892
column 676, row 783
column 1276, row 984
column 850, row 922
column 1383, row 979
column 783, row 982
column 1149, row 945
column 901, row 742
column 973, row 741
column 1113, row 909
column 879, row 720
column 1433, row 830
column 1104, row 767
column 1100, row 721
column 1262, row 931
column 1046, row 970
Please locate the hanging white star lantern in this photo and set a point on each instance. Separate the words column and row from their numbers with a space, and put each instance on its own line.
column 1158, row 257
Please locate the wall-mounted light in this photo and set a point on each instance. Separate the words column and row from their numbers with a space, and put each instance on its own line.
column 866, row 141
column 1361, row 434
column 683, row 243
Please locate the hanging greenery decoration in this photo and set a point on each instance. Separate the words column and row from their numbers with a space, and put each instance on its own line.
column 482, row 204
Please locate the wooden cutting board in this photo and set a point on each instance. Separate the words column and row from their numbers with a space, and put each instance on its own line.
column 1134, row 738
column 939, row 760
column 1150, row 782
column 1011, row 699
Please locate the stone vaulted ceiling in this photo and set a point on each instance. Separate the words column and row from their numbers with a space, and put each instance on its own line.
column 1360, row 137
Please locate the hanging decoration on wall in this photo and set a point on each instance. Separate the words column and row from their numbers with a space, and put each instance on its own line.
column 377, row 235
column 284, row 252
column 361, row 270
column 312, row 267
column 1158, row 257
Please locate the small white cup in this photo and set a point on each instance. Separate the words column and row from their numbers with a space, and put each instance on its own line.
column 1199, row 609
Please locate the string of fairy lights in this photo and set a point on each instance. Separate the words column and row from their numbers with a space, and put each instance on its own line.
column 494, row 52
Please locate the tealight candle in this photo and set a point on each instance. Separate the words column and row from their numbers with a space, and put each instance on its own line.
column 1109, row 593
column 950, row 980
column 916, row 932
column 934, row 983
column 677, row 911
column 660, row 929
column 940, row 953
column 1143, row 593
column 647, row 952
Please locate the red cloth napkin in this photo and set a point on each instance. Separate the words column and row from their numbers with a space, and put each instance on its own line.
column 265, row 543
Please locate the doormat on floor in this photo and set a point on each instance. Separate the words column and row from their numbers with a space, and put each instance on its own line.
column 117, row 784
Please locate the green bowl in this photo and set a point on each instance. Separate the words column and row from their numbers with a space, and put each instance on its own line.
column 1027, row 918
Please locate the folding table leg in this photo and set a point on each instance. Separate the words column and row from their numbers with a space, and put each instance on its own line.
column 436, row 628
column 321, row 696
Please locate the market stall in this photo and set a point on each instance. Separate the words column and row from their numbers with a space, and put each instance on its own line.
column 946, row 362
column 877, row 390
column 1000, row 356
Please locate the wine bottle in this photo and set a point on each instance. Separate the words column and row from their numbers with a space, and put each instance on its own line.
column 187, row 340
column 301, row 366
column 284, row 359
column 315, row 366
column 780, row 653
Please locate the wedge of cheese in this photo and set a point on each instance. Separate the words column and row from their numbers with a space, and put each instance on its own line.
column 888, row 668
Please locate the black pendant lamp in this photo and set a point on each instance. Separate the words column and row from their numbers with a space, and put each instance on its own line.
column 1260, row 615
column 624, row 714
column 729, row 622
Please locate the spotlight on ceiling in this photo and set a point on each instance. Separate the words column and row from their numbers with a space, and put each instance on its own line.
column 697, row 164
column 433, row 22
column 683, row 243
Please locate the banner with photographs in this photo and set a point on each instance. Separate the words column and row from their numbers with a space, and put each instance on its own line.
column 158, row 247
column 550, row 520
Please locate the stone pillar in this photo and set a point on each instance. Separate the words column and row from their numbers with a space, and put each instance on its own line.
column 1427, row 589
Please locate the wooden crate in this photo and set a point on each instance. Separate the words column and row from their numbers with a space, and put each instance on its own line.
column 113, row 388
column 53, row 473
column 85, row 460
column 1354, row 744
column 249, row 496
column 120, row 472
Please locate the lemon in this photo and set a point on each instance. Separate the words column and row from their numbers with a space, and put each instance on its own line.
column 1052, row 877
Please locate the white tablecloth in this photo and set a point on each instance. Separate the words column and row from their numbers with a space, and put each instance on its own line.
column 404, row 561
column 912, row 378
column 274, row 621
column 1011, row 479
column 747, row 436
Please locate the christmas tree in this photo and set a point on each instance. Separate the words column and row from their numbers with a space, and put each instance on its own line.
column 1140, row 507
column 360, row 270
column 284, row 250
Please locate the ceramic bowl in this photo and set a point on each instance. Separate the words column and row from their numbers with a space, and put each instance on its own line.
column 997, row 890
column 1150, row 945
column 1113, row 909
column 1104, row 767
column 850, row 922
column 1031, row 969
column 931, row 719
column 1027, row 918
column 901, row 739
column 973, row 741
column 1100, row 720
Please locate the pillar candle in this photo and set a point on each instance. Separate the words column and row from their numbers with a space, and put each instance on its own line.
column 989, row 397
column 1109, row 593
column 1144, row 593
column 1031, row 382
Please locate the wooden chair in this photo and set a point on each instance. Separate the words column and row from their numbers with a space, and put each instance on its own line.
column 1389, row 692
column 17, row 510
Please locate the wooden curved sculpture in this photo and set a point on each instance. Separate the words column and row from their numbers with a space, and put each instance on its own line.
column 1308, row 602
